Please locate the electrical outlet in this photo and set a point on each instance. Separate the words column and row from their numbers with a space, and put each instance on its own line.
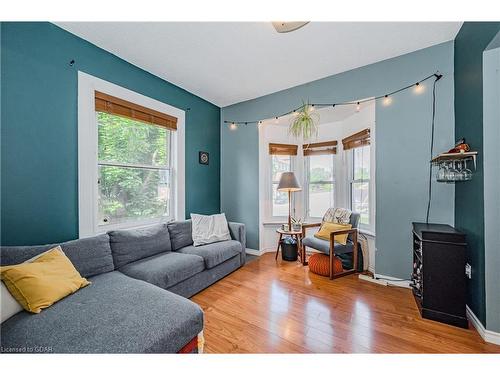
column 468, row 271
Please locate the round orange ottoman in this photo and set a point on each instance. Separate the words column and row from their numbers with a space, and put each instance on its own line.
column 320, row 264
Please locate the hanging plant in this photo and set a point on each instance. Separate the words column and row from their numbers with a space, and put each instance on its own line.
column 304, row 123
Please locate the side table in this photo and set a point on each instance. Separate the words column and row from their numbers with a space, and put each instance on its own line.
column 294, row 234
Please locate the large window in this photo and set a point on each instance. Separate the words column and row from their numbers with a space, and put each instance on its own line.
column 320, row 184
column 130, row 158
column 279, row 164
column 360, row 184
column 133, row 170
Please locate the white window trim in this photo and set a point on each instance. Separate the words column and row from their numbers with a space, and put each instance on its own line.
column 87, row 153
column 306, row 189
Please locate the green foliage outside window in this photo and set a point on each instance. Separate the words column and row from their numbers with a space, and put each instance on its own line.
column 131, row 190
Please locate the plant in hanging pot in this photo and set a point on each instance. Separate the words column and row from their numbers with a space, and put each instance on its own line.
column 304, row 123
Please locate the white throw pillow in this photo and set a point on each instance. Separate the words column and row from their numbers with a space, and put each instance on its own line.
column 8, row 304
column 209, row 229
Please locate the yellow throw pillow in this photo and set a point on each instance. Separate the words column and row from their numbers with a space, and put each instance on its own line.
column 327, row 228
column 41, row 283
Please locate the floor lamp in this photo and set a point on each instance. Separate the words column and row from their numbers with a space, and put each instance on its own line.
column 288, row 182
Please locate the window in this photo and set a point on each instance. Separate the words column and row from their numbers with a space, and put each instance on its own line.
column 279, row 164
column 130, row 158
column 320, row 184
column 360, row 184
column 133, row 170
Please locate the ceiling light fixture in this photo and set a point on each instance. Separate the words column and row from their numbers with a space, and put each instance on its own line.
column 286, row 27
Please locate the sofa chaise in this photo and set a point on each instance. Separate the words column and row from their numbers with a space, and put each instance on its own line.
column 137, row 301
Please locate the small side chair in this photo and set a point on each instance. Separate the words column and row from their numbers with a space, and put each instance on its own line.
column 333, row 248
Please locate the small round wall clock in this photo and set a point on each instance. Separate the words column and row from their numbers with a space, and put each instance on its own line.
column 203, row 157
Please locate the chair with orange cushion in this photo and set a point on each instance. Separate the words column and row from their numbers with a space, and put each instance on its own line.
column 331, row 247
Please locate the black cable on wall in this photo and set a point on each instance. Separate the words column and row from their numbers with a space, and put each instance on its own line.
column 438, row 77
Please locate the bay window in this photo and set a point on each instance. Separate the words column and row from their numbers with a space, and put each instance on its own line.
column 360, row 184
column 360, row 177
column 280, row 164
column 319, row 177
column 281, row 159
column 320, row 184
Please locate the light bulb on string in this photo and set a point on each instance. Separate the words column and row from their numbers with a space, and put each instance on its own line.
column 387, row 100
column 358, row 107
column 233, row 126
column 419, row 88
column 311, row 107
column 276, row 120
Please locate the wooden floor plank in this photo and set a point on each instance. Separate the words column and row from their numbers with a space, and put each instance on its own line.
column 273, row 306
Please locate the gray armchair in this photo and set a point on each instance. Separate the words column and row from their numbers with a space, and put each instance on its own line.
column 333, row 248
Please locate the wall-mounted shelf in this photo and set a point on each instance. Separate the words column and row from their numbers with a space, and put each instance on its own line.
column 453, row 166
column 455, row 156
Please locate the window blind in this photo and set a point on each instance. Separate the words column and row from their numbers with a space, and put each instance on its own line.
column 282, row 149
column 320, row 148
column 116, row 106
column 358, row 139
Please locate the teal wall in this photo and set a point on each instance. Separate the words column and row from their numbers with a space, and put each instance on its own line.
column 402, row 147
column 470, row 43
column 39, row 177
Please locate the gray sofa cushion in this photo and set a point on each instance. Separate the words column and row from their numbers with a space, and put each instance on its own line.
column 324, row 246
column 180, row 234
column 165, row 270
column 90, row 256
column 115, row 314
column 129, row 245
column 214, row 253
column 202, row 280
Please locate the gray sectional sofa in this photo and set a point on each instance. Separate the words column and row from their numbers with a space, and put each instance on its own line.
column 137, row 300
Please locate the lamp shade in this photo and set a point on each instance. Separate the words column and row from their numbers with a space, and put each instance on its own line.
column 288, row 182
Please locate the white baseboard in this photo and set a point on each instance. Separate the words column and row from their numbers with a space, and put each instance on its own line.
column 385, row 280
column 258, row 252
column 253, row 252
column 372, row 280
column 488, row 336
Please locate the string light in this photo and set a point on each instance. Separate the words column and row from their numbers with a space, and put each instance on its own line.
column 387, row 100
column 418, row 88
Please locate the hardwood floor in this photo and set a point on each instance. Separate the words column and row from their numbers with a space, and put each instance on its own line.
column 273, row 306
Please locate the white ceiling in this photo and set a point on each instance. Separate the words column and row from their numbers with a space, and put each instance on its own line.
column 230, row 62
